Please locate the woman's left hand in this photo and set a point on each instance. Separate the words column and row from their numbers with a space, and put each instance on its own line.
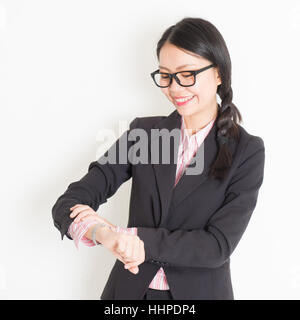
column 84, row 212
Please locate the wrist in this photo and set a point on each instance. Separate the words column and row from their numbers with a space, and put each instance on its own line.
column 103, row 232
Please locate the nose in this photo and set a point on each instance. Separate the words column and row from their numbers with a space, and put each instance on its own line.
column 174, row 86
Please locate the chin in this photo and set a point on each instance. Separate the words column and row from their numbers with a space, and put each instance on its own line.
column 185, row 112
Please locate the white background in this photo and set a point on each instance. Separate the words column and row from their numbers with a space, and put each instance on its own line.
column 69, row 69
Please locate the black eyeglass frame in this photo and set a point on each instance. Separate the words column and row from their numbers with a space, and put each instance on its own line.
column 174, row 75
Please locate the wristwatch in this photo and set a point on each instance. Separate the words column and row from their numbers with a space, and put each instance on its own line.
column 94, row 232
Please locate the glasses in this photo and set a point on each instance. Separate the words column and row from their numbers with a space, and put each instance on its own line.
column 183, row 78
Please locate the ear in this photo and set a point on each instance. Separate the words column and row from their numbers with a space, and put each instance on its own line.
column 218, row 77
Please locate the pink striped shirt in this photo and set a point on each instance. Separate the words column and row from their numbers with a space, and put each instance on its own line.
column 187, row 147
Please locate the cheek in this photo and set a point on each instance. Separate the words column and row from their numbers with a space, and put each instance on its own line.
column 204, row 90
column 166, row 93
column 198, row 92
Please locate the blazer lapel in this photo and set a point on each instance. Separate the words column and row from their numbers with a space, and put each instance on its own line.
column 165, row 173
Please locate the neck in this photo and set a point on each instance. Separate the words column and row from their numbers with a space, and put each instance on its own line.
column 199, row 120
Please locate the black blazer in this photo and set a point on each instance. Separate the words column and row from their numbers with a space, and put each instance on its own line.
column 190, row 230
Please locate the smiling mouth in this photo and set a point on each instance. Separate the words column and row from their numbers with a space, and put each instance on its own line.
column 181, row 102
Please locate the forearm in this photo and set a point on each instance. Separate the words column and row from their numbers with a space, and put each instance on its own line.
column 99, row 184
column 185, row 248
column 82, row 231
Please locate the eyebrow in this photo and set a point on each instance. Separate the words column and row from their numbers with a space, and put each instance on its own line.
column 185, row 65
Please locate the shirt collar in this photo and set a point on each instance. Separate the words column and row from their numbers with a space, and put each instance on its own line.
column 199, row 135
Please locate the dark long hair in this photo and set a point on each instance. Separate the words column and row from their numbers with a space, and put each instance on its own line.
column 202, row 38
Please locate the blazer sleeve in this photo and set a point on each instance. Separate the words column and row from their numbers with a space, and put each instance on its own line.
column 100, row 183
column 211, row 246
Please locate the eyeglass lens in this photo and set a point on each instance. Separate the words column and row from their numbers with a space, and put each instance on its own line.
column 185, row 78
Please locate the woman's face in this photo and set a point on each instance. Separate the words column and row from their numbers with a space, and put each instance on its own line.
column 171, row 58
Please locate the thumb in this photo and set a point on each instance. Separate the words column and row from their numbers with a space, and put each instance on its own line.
column 134, row 269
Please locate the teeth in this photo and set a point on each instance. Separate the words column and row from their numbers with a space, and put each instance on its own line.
column 184, row 99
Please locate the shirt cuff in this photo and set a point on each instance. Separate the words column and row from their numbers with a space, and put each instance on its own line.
column 77, row 230
column 132, row 230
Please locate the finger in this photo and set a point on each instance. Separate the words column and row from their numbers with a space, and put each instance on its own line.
column 79, row 210
column 139, row 260
column 82, row 214
column 131, row 264
column 86, row 216
column 142, row 252
column 136, row 251
column 129, row 249
column 121, row 247
column 78, row 214
column 136, row 256
column 119, row 257
column 76, row 205
column 127, row 260
column 134, row 270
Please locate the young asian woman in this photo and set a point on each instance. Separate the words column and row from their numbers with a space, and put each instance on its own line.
column 184, row 226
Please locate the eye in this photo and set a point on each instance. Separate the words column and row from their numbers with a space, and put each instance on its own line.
column 164, row 76
column 187, row 74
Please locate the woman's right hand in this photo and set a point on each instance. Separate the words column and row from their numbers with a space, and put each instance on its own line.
column 127, row 248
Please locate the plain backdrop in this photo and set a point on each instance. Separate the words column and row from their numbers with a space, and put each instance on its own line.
column 69, row 69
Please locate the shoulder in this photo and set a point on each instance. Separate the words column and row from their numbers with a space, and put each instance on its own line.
column 249, row 138
column 250, row 145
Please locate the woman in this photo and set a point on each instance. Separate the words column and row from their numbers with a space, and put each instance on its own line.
column 183, row 226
